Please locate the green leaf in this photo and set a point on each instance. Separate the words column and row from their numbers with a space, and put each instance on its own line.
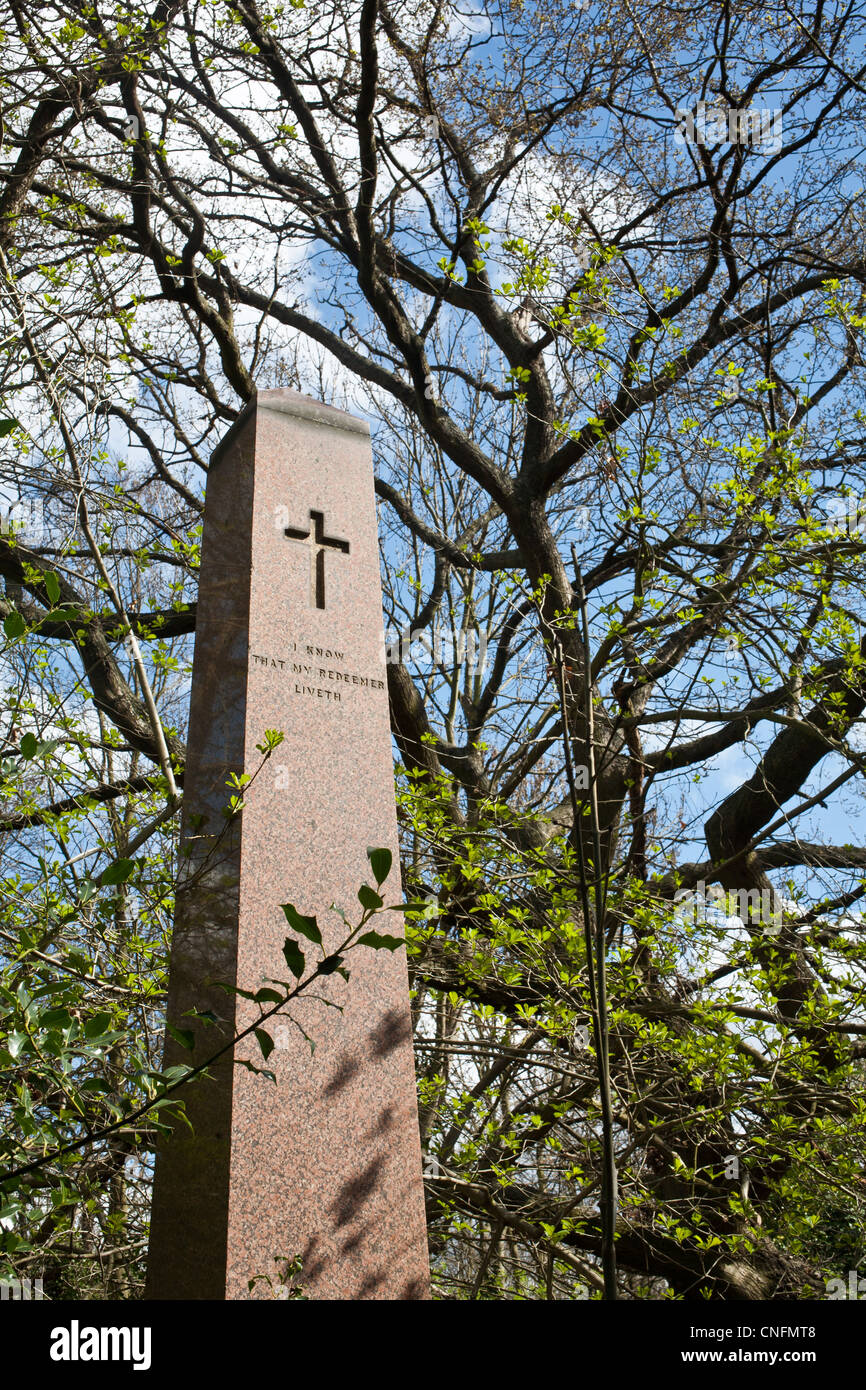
column 56, row 1018
column 184, row 1036
column 294, row 957
column 98, row 1085
column 172, row 1074
column 205, row 1016
column 7, row 426
column 380, row 863
column 380, row 943
column 234, row 989
column 87, row 890
column 14, row 1044
column 304, row 926
column 266, row 1042
column 52, row 586
column 65, row 615
column 257, row 1071
column 330, row 964
column 14, row 626
column 97, row 1025
column 78, row 962
column 268, row 996
column 421, row 909
column 273, row 739
column 311, row 1041
column 368, row 899
column 29, row 745
column 118, row 872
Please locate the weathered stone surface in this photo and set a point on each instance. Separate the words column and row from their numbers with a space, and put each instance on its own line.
column 325, row 1165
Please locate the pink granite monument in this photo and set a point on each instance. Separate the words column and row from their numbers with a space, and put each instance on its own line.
column 324, row 1167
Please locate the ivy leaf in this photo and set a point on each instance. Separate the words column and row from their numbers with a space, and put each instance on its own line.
column 380, row 863
column 294, row 957
column 379, row 942
column 304, row 926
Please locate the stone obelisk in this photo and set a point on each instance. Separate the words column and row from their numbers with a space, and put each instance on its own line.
column 323, row 1168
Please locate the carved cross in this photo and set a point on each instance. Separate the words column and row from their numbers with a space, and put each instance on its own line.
column 314, row 537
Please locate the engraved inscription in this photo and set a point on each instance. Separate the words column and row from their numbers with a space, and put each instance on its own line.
column 313, row 680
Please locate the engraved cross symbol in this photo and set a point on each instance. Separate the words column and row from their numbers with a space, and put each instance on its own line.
column 318, row 543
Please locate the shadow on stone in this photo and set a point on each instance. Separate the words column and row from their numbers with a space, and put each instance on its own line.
column 355, row 1192
column 311, row 1266
column 352, row 1242
column 393, row 1029
column 385, row 1122
column 370, row 1285
column 347, row 1068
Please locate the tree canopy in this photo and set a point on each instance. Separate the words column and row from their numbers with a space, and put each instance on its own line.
column 595, row 272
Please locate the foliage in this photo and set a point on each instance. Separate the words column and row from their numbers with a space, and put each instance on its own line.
column 603, row 334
